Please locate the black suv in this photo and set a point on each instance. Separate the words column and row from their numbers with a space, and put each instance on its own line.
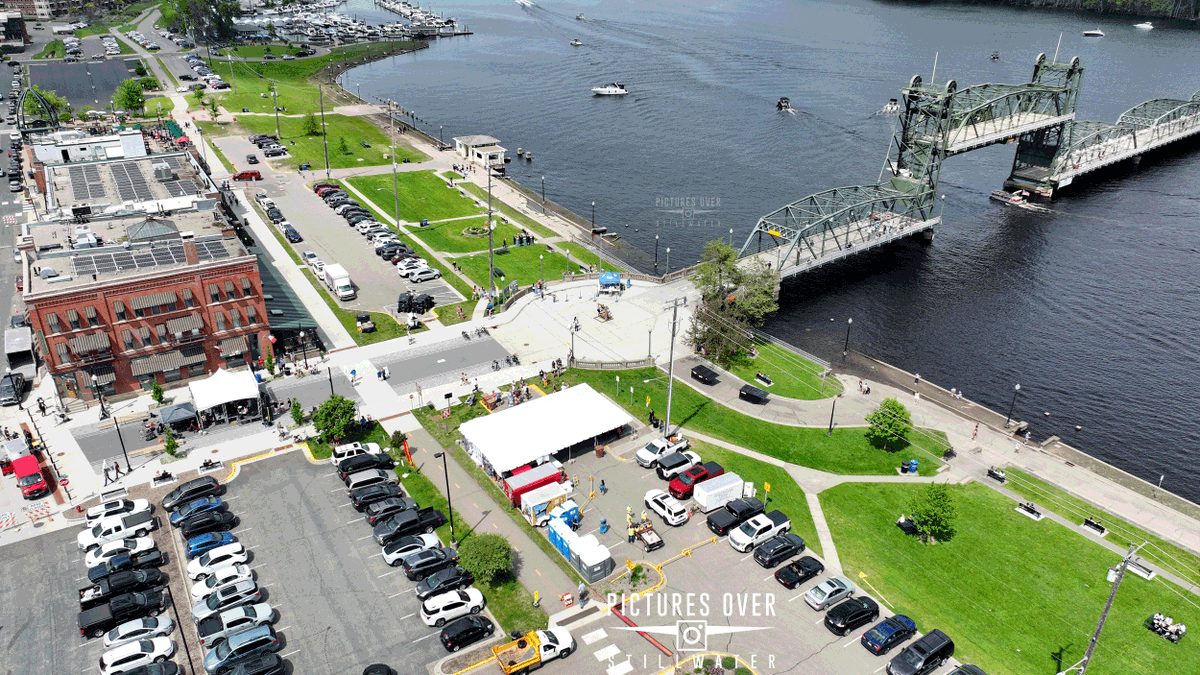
column 449, row 579
column 363, row 462
column 923, row 656
column 377, row 511
column 777, row 549
column 193, row 489
column 420, row 565
column 363, row 497
column 851, row 614
column 464, row 631
column 211, row 521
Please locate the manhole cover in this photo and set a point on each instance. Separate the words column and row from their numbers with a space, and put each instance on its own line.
column 61, row 454
column 214, row 451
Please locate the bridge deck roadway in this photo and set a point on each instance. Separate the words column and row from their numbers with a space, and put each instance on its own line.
column 843, row 241
column 1121, row 148
column 1000, row 129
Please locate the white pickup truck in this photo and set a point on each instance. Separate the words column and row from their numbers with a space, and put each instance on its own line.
column 658, row 448
column 138, row 524
column 759, row 529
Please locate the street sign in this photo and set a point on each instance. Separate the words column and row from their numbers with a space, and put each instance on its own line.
column 766, row 487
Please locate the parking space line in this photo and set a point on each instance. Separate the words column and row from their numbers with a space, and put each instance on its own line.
column 331, row 474
column 385, row 574
column 768, row 577
column 376, row 555
column 746, row 558
column 796, row 598
column 366, row 537
column 353, row 521
column 242, row 531
column 336, row 490
column 267, row 585
column 280, row 630
column 397, row 594
column 407, row 615
column 424, row 638
column 346, row 504
column 879, row 668
column 849, row 643
column 229, row 499
column 819, row 621
column 294, row 651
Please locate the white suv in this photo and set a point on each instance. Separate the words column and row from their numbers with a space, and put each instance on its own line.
column 134, row 654
column 439, row 609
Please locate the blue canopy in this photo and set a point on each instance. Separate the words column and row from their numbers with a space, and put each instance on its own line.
column 610, row 279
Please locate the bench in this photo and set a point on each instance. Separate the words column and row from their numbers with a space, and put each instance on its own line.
column 1095, row 525
column 1028, row 509
column 764, row 378
column 997, row 475
column 158, row 482
column 907, row 525
column 215, row 466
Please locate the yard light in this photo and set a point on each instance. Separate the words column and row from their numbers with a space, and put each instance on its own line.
column 1016, row 390
column 846, row 346
column 449, row 504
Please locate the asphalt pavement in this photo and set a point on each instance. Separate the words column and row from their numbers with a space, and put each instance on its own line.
column 441, row 363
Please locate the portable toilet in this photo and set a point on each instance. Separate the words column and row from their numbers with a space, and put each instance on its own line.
column 555, row 530
column 582, row 544
column 567, row 511
column 596, row 563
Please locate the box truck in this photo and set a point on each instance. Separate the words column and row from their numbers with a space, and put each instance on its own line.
column 337, row 279
column 713, row 494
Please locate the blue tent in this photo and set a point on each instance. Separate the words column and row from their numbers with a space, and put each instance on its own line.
column 609, row 279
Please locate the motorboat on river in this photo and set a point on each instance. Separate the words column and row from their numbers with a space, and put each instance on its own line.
column 1093, row 33
column 614, row 89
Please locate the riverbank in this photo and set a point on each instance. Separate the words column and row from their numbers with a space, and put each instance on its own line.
column 1183, row 13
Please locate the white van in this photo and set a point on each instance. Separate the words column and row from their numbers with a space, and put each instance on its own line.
column 348, row 450
column 369, row 477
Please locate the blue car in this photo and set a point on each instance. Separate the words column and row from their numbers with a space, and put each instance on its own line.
column 203, row 542
column 196, row 507
column 888, row 633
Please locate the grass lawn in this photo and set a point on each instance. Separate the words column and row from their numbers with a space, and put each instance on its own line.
column 520, row 264
column 451, row 174
column 448, row 314
column 845, row 452
column 213, row 129
column 257, row 51
column 311, row 149
column 174, row 81
column 422, row 195
column 512, row 606
column 125, row 48
column 785, row 494
column 1018, row 597
column 1183, row 562
column 580, row 255
column 386, row 327
column 296, row 92
column 509, row 212
column 449, row 276
column 793, row 376
column 448, row 235
column 55, row 49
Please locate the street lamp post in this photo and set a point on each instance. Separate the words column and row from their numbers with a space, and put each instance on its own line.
column 543, row 190
column 99, row 396
column 668, row 259
column 1011, row 406
column 304, row 347
column 116, row 423
column 656, row 251
column 831, row 411
column 330, row 370
column 542, row 264
column 440, row 141
column 846, row 346
column 731, row 237
column 449, row 504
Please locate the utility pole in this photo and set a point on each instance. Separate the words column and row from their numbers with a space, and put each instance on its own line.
column 491, row 254
column 1082, row 666
column 275, row 100
column 324, row 137
column 395, row 186
column 232, row 79
column 674, row 305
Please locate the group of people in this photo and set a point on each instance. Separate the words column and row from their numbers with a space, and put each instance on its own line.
column 603, row 312
column 1166, row 627
column 464, row 169
column 112, row 473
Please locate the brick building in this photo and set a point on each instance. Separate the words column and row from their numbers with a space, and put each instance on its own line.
column 153, row 290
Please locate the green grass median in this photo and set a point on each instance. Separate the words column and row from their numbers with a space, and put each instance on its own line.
column 519, row 263
column 792, row 376
column 1016, row 596
column 303, row 148
column 423, row 195
column 845, row 452
column 507, row 211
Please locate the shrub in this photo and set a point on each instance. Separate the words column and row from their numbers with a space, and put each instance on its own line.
column 728, row 662
column 156, row 393
column 487, row 556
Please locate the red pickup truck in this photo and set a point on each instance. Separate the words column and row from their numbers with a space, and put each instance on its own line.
column 681, row 486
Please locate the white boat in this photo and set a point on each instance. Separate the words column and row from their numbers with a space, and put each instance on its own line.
column 784, row 105
column 575, row 43
column 614, row 89
column 580, row 17
column 1020, row 199
column 1144, row 26
column 1093, row 33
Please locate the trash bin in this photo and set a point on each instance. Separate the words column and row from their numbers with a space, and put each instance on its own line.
column 912, row 467
column 603, row 525
column 424, row 222
column 904, row 466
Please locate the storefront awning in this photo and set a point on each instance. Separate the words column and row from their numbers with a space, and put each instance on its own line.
column 164, row 361
column 234, row 346
column 152, row 300
column 103, row 374
column 189, row 322
column 92, row 342
column 222, row 387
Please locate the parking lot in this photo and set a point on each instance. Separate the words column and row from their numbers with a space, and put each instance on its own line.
column 327, row 234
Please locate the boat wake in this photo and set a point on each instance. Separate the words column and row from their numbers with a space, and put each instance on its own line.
column 526, row 3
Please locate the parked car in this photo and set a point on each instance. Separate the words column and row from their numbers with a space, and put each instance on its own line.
column 799, row 571
column 923, row 656
column 139, row 629
column 466, row 631
column 215, row 559
column 851, row 614
column 777, row 549
column 263, row 664
column 126, row 561
column 216, row 628
column 275, row 215
column 886, row 634
column 246, row 592
column 202, row 543
column 441, row 609
column 133, row 654
column 407, row 522
column 119, row 507
column 427, row 274
column 424, row 563
column 213, row 521
column 449, row 579
column 193, row 489
column 112, row 549
column 275, row 151
column 676, row 463
column 376, row 512
column 251, row 158
column 364, row 497
column 667, row 507
column 220, row 578
column 722, row 521
column 395, row 551
column 292, row 235
column 827, row 592
column 241, row 647
column 248, row 175
column 196, row 507
column 363, row 462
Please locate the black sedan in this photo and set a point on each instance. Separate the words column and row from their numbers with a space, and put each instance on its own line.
column 193, row 489
column 363, row 497
column 377, row 511
column 799, row 571
column 778, row 549
column 275, row 215
column 886, row 634
column 449, row 579
column 420, row 565
column 364, row 462
column 212, row 521
column 850, row 614
column 469, row 629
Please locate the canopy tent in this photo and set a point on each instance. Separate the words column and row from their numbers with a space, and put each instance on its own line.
column 541, row 427
column 224, row 387
column 180, row 412
column 609, row 279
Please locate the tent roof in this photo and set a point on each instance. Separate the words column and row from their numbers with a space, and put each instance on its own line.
column 223, row 387
column 543, row 426
column 177, row 413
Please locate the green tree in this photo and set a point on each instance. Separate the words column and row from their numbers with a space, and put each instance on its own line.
column 129, row 97
column 140, row 69
column 297, row 412
column 334, row 418
column 212, row 107
column 148, row 83
column 170, row 445
column 934, row 512
column 311, row 127
column 734, row 299
column 398, row 439
column 487, row 556
column 342, row 147
column 198, row 94
column 156, row 393
column 270, row 361
column 888, row 425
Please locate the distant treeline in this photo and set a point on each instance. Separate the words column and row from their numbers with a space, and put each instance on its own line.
column 1183, row 10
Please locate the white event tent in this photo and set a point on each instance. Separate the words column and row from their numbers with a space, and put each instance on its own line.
column 541, row 427
column 223, row 387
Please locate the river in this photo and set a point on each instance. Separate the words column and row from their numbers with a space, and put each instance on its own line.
column 1092, row 308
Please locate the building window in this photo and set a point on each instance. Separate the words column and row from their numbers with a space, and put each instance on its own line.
column 90, row 313
column 188, row 300
column 220, row 317
column 236, row 317
column 161, row 329
column 230, row 291
column 119, row 311
column 173, row 375
column 52, row 323
column 73, row 319
column 168, row 307
column 144, row 331
column 63, row 357
column 127, row 338
column 247, row 287
column 251, row 315
column 214, row 293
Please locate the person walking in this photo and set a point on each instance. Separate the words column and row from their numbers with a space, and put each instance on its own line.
column 104, row 467
column 632, row 534
column 975, row 434
column 41, row 402
column 603, row 488
column 117, row 468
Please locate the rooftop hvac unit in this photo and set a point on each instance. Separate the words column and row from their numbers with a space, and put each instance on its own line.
column 163, row 172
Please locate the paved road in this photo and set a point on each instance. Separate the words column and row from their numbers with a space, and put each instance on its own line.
column 441, row 363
